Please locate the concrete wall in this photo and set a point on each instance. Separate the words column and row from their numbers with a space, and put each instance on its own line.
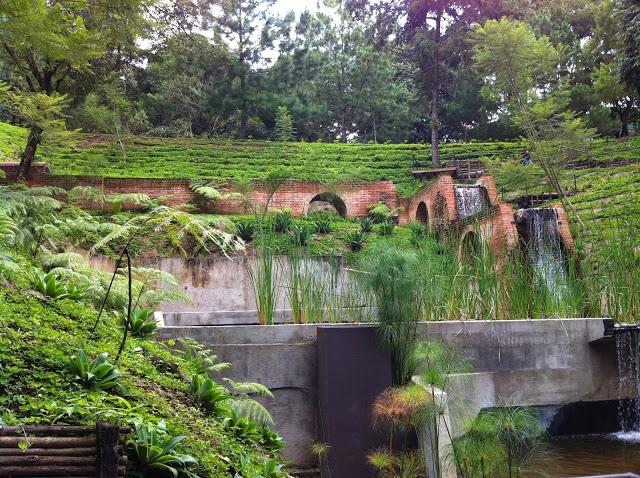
column 220, row 289
column 528, row 362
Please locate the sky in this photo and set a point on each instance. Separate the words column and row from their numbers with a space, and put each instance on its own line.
column 283, row 6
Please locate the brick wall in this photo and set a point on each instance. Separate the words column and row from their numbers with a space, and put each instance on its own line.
column 297, row 195
column 442, row 186
column 563, row 228
column 294, row 195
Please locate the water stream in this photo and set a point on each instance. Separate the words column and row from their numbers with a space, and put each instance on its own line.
column 544, row 248
column 469, row 200
column 628, row 354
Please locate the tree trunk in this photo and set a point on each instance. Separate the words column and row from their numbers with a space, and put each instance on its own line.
column 33, row 140
column 435, row 95
column 243, row 113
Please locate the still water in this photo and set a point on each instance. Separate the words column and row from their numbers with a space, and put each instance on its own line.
column 572, row 456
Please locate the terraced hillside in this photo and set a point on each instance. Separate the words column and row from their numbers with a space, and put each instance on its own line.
column 605, row 184
column 200, row 158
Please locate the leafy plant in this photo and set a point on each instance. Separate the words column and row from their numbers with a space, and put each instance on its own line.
column 380, row 212
column 282, row 220
column 142, row 324
column 212, row 396
column 323, row 222
column 301, row 233
column 158, row 454
column 403, row 465
column 246, row 230
column 96, row 375
column 366, row 224
column 262, row 276
column 392, row 277
column 48, row 284
column 356, row 240
column 387, row 228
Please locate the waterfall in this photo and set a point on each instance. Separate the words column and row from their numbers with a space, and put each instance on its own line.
column 544, row 248
column 628, row 353
column 469, row 200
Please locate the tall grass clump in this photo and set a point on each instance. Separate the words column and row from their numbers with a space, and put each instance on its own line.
column 392, row 277
column 262, row 275
column 610, row 268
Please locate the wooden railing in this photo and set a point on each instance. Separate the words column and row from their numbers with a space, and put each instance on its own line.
column 73, row 451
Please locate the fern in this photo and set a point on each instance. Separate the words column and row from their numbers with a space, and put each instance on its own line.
column 251, row 409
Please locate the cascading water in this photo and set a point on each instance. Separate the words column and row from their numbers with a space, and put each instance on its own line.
column 469, row 200
column 628, row 353
column 544, row 247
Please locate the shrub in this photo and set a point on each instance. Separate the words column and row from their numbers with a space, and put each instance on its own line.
column 49, row 285
column 356, row 240
column 211, row 395
column 246, row 230
column 387, row 228
column 98, row 375
column 380, row 212
column 143, row 323
column 366, row 224
column 282, row 220
column 302, row 233
column 323, row 222
column 156, row 453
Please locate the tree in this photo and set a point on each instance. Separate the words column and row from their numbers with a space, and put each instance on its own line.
column 517, row 65
column 64, row 37
column 427, row 32
column 284, row 124
column 622, row 100
column 41, row 113
column 630, row 64
column 246, row 25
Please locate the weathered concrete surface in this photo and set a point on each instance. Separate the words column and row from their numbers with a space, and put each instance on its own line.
column 220, row 289
column 528, row 362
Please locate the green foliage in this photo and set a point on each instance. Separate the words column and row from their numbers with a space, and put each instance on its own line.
column 387, row 228
column 301, row 234
column 158, row 454
column 284, row 125
column 392, row 277
column 142, row 322
column 48, row 284
column 323, row 222
column 356, row 240
column 380, row 212
column 366, row 224
column 96, row 375
column 246, row 230
column 282, row 220
column 212, row 396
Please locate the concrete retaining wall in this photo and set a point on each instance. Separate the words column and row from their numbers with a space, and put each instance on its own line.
column 528, row 362
column 220, row 289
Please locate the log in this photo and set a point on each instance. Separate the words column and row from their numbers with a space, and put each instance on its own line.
column 52, row 430
column 47, row 471
column 88, row 451
column 48, row 442
column 34, row 460
column 107, row 458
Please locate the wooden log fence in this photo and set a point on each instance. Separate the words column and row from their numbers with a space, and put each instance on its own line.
column 52, row 451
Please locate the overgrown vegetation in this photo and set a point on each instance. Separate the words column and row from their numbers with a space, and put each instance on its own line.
column 56, row 351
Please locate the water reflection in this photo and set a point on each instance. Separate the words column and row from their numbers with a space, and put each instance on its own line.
column 573, row 456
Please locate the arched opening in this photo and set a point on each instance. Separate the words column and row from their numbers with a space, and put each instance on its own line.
column 327, row 202
column 422, row 213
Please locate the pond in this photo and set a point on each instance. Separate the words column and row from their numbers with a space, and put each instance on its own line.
column 580, row 455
